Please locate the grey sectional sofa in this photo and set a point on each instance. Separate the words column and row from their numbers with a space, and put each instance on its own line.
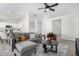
column 23, row 48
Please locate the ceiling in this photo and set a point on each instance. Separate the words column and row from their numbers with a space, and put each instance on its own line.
column 12, row 12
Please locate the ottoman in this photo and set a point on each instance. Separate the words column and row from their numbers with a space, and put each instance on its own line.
column 25, row 48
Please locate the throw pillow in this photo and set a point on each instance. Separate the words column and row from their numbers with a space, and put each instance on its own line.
column 32, row 36
column 22, row 38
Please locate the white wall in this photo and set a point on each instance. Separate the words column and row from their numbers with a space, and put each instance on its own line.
column 46, row 24
column 24, row 23
column 76, row 25
column 70, row 26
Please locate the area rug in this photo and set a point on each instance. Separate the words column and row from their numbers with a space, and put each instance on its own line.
column 5, row 50
column 62, row 51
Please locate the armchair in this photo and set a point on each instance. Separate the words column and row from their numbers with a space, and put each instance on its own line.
column 51, row 41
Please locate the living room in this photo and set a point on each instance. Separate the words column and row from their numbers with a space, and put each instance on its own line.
column 29, row 18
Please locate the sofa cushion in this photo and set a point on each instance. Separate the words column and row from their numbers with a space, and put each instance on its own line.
column 22, row 47
column 37, row 35
column 27, row 35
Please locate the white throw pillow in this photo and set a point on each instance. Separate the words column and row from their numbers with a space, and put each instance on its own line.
column 32, row 36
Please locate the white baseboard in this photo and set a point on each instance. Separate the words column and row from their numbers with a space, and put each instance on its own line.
column 64, row 37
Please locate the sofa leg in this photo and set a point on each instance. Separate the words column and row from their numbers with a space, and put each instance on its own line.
column 35, row 51
column 14, row 54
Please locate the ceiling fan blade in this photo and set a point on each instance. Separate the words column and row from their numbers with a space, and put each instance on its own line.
column 41, row 8
column 54, row 5
column 51, row 9
column 46, row 4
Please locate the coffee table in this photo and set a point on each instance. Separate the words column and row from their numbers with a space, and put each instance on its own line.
column 54, row 43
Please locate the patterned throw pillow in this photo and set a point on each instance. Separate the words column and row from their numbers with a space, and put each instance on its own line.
column 22, row 38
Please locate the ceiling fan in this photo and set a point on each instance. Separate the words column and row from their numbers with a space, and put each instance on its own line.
column 49, row 7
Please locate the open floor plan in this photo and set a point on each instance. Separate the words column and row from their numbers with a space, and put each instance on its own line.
column 39, row 29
